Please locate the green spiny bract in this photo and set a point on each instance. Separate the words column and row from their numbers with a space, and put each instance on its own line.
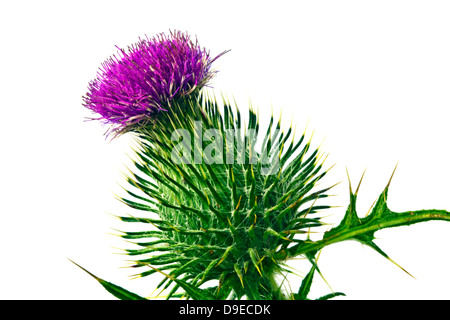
column 228, row 219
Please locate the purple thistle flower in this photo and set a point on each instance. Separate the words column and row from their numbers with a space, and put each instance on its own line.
column 141, row 82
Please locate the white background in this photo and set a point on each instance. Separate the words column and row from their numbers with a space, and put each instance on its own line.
column 372, row 78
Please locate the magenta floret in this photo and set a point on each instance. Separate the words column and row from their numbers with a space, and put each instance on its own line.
column 139, row 83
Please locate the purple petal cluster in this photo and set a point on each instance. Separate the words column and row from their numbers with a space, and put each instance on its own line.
column 139, row 83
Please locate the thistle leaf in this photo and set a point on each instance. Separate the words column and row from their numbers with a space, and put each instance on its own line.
column 353, row 227
column 115, row 290
column 305, row 287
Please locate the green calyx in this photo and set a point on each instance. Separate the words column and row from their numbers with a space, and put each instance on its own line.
column 225, row 217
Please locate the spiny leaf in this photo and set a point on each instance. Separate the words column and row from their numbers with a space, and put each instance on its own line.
column 194, row 292
column 137, row 206
column 352, row 227
column 305, row 287
column 141, row 234
column 115, row 290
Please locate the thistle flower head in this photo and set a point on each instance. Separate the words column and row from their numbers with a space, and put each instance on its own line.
column 135, row 86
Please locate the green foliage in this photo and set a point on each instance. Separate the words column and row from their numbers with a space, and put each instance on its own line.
column 224, row 221
column 221, row 229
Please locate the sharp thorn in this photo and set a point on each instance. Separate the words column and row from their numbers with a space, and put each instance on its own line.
column 92, row 275
column 400, row 267
column 357, row 189
column 390, row 179
column 349, row 182
column 370, row 208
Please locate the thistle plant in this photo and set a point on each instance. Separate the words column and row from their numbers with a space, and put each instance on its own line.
column 223, row 205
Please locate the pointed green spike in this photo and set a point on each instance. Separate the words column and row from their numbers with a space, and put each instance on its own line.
column 371, row 244
column 115, row 290
column 225, row 255
column 194, row 292
column 359, row 184
column 305, row 286
column 238, row 271
column 255, row 259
